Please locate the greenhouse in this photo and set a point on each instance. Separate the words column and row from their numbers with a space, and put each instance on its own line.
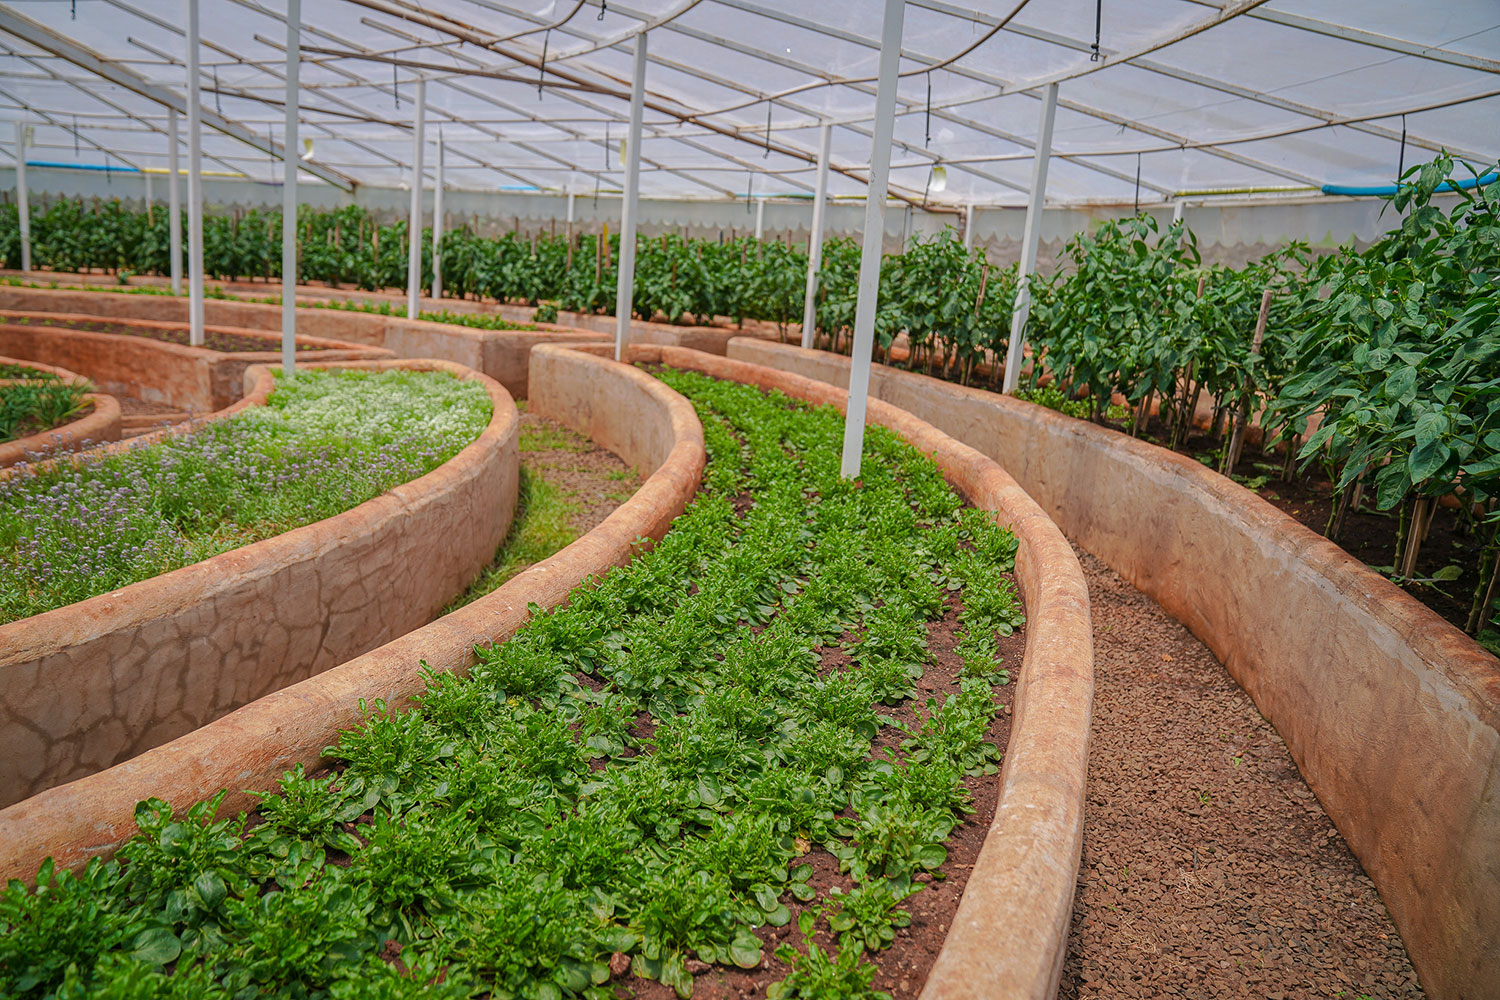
column 737, row 498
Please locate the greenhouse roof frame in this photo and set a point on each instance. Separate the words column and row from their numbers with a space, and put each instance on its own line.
column 1190, row 96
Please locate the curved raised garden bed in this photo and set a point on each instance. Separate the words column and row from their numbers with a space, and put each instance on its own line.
column 1022, row 885
column 101, row 424
column 1392, row 714
column 501, row 354
column 251, row 747
column 155, row 370
column 98, row 682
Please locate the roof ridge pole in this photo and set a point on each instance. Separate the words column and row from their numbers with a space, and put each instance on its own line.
column 289, row 161
column 1014, row 352
column 23, row 204
column 414, row 227
column 195, row 183
column 174, row 224
column 874, row 242
column 437, row 222
column 815, row 238
column 625, row 280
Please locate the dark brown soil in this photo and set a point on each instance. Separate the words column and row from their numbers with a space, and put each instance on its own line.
column 130, row 406
column 903, row 967
column 1209, row 868
column 596, row 481
column 230, row 343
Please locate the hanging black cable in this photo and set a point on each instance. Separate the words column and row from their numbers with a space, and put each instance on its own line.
column 769, row 106
column 396, row 86
column 603, row 6
column 541, row 69
column 75, row 10
column 1094, row 55
column 927, row 128
column 606, row 145
column 1401, row 162
column 218, row 102
column 1137, row 183
column 75, row 135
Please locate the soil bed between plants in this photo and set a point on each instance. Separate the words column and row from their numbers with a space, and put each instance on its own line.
column 1209, row 868
column 227, row 343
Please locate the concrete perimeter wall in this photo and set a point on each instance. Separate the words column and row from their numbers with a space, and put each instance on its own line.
column 1392, row 714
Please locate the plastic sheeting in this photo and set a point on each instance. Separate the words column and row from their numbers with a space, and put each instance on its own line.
column 1185, row 97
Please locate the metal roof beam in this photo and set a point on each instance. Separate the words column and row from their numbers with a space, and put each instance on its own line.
column 37, row 34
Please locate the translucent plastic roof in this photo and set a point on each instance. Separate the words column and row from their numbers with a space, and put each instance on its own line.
column 1182, row 96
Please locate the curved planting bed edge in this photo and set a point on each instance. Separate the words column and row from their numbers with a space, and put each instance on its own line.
column 1010, row 934
column 1392, row 714
column 98, row 682
column 503, row 355
column 251, row 747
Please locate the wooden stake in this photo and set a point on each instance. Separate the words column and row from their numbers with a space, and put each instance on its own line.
column 1237, row 440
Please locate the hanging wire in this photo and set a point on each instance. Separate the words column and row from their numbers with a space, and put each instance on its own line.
column 542, row 66
column 1401, row 162
column 396, row 85
column 75, row 136
column 927, row 129
column 769, row 106
column 218, row 102
column 603, row 6
column 1094, row 55
column 606, row 145
column 1137, row 183
column 75, row 10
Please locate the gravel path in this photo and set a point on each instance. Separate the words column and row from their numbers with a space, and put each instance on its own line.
column 1209, row 869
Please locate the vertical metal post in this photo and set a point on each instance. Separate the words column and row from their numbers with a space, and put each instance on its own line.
column 23, row 203
column 874, row 241
column 760, row 218
column 174, row 203
column 625, row 283
column 195, row 183
column 1014, row 354
column 289, row 162
column 968, row 227
column 437, row 222
column 414, row 226
column 815, row 238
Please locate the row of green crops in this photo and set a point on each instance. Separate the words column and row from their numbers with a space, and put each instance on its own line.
column 1388, row 355
column 1379, row 368
column 520, row 834
column 36, row 401
column 324, row 442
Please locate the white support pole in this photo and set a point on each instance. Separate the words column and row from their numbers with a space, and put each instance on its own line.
column 23, row 203
column 760, row 218
column 174, row 204
column 1015, row 352
column 815, row 238
column 1178, row 207
column 437, row 223
column 195, row 183
column 414, row 227
column 625, row 282
column 147, row 178
column 968, row 227
column 572, row 202
column 874, row 242
column 289, row 162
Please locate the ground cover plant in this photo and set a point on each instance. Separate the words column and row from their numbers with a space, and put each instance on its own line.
column 36, row 402
column 631, row 784
column 324, row 442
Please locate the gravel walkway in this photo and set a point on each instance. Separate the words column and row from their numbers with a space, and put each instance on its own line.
column 1209, row 869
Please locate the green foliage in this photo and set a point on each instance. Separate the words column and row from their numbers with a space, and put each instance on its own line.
column 37, row 404
column 325, row 441
column 634, row 773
